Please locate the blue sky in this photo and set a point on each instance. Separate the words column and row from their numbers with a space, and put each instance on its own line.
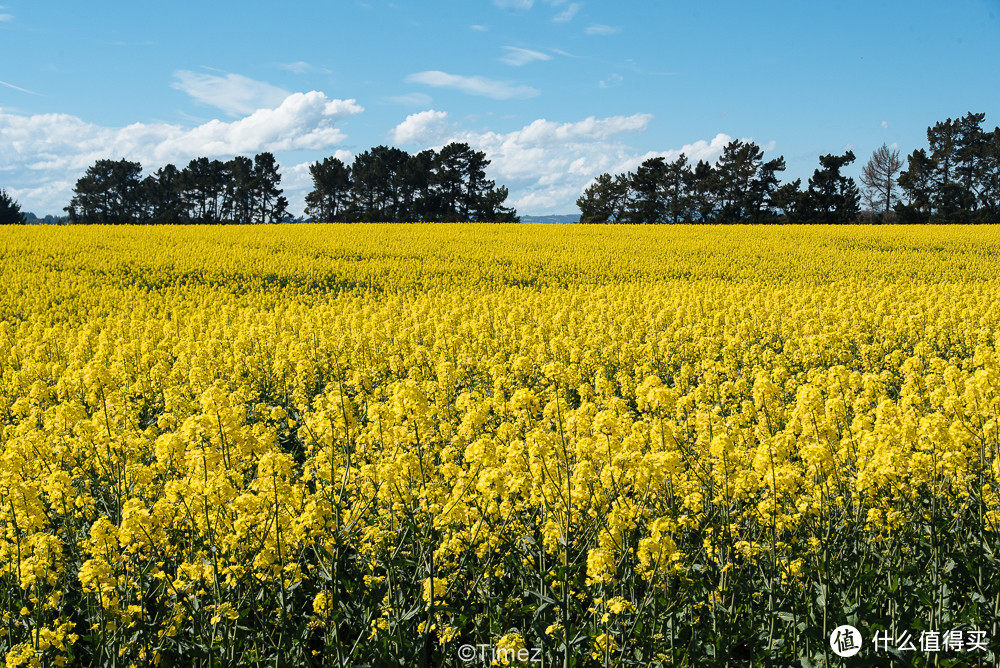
column 554, row 91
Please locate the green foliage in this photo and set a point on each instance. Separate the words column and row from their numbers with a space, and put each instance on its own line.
column 386, row 184
column 239, row 191
column 957, row 178
column 10, row 210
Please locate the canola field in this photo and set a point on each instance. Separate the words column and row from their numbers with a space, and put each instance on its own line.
column 472, row 445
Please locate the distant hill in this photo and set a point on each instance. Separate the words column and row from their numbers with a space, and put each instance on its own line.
column 562, row 219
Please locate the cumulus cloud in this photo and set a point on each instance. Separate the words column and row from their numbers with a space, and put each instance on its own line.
column 548, row 164
column 234, row 94
column 44, row 154
column 474, row 85
column 517, row 56
column 425, row 127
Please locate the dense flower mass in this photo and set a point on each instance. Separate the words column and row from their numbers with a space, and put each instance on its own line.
column 348, row 445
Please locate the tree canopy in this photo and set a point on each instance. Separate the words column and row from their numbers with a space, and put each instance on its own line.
column 956, row 179
column 10, row 210
column 740, row 188
column 386, row 184
column 239, row 191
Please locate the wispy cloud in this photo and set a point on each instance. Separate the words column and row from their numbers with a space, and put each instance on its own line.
column 517, row 56
column 478, row 28
column 514, row 4
column 6, row 17
column 298, row 67
column 412, row 99
column 611, row 81
column 474, row 85
column 23, row 90
column 234, row 94
column 601, row 29
column 567, row 14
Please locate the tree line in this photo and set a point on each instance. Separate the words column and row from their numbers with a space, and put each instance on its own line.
column 383, row 184
column 956, row 180
column 388, row 184
column 740, row 188
column 237, row 191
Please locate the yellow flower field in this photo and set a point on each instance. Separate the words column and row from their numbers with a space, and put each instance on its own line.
column 349, row 445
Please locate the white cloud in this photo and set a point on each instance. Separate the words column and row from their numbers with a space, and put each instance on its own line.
column 412, row 99
column 567, row 14
column 600, row 29
column 44, row 154
column 474, row 85
column 547, row 164
column 6, row 17
column 517, row 56
column 885, row 124
column 23, row 90
column 299, row 66
column 424, row 127
column 234, row 94
column 611, row 81
column 478, row 28
column 514, row 4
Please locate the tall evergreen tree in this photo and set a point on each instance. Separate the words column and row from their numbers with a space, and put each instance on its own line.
column 419, row 199
column 330, row 198
column 202, row 187
column 948, row 197
column 989, row 192
column 703, row 192
column 239, row 191
column 10, row 210
column 270, row 206
column 108, row 193
column 448, row 181
column 917, row 181
column 736, row 176
column 161, row 193
column 605, row 200
column 832, row 197
column 788, row 201
column 647, row 204
column 676, row 194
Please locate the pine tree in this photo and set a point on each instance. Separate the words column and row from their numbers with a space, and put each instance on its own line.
column 10, row 210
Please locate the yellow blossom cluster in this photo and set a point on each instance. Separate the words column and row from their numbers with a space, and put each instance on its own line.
column 366, row 444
